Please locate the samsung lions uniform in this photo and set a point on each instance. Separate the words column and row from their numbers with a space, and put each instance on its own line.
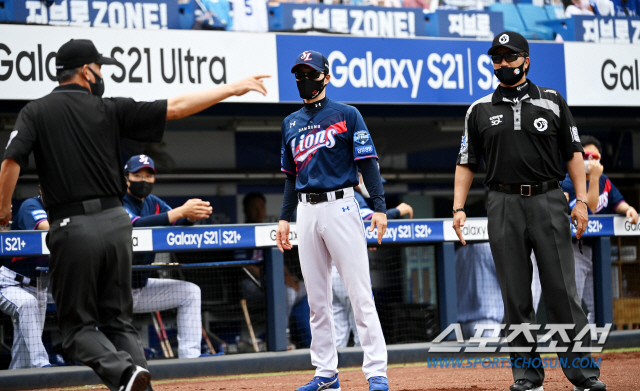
column 321, row 144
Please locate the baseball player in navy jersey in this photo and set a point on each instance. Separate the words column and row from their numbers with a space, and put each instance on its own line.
column 323, row 145
column 343, row 316
column 156, row 294
column 19, row 296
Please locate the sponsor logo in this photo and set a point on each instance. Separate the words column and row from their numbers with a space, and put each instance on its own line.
column 551, row 92
column 39, row 214
column 631, row 227
column 594, row 226
column 495, row 120
column 504, row 38
column 346, row 208
column 541, row 124
column 627, row 76
column 367, row 149
column 369, row 69
column 516, row 71
column 361, row 136
column 292, row 124
column 422, row 230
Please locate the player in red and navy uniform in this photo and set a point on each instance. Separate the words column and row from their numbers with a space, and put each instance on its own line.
column 323, row 146
column 155, row 294
column 602, row 198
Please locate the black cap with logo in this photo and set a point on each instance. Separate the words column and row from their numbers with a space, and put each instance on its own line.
column 78, row 52
column 510, row 40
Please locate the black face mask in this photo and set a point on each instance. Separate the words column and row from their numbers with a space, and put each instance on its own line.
column 310, row 89
column 140, row 189
column 97, row 88
column 508, row 75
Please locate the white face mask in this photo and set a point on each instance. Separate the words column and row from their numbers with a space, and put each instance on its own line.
column 586, row 164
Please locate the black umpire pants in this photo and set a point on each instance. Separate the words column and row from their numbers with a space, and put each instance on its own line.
column 516, row 225
column 90, row 267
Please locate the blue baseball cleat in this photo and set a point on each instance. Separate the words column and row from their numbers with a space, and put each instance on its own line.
column 378, row 383
column 321, row 383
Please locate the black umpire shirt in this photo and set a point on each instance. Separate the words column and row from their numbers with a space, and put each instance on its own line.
column 522, row 140
column 75, row 137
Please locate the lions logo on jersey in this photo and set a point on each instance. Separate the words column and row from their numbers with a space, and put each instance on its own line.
column 361, row 137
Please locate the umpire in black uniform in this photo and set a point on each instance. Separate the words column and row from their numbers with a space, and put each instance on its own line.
column 523, row 132
column 74, row 134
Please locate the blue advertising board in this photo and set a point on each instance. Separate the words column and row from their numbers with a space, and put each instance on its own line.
column 464, row 24
column 597, row 29
column 140, row 14
column 354, row 20
column 414, row 71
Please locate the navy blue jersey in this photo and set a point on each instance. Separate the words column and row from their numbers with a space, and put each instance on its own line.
column 28, row 217
column 151, row 205
column 320, row 144
column 608, row 200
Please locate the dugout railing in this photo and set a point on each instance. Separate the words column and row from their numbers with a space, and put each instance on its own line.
column 400, row 233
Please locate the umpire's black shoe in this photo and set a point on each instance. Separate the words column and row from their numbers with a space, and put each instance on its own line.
column 591, row 384
column 525, row 385
column 138, row 380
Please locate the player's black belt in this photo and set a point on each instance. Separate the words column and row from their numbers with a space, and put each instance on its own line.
column 526, row 190
column 316, row 198
column 20, row 278
column 87, row 207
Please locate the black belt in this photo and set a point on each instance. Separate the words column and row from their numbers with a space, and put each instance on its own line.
column 526, row 190
column 20, row 278
column 316, row 198
column 87, row 207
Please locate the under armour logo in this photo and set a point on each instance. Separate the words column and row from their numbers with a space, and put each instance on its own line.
column 318, row 104
column 305, row 56
column 65, row 222
column 292, row 124
column 345, row 209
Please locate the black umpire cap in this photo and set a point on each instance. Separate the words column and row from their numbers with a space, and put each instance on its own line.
column 78, row 52
column 510, row 40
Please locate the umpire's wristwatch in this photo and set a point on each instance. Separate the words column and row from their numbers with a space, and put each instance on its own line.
column 458, row 210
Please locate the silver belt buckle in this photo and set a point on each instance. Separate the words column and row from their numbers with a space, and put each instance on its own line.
column 522, row 187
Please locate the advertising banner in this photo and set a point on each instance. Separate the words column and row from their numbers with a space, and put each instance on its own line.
column 467, row 24
column 417, row 71
column 354, row 20
column 607, row 30
column 140, row 14
column 608, row 78
column 151, row 64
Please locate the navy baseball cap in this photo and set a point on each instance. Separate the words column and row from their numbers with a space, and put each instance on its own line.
column 313, row 59
column 138, row 162
column 78, row 52
column 510, row 40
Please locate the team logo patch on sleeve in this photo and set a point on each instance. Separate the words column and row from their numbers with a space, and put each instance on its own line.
column 39, row 214
column 463, row 144
column 361, row 137
column 574, row 134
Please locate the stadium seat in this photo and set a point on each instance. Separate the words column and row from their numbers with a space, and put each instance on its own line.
column 512, row 19
column 531, row 15
column 554, row 12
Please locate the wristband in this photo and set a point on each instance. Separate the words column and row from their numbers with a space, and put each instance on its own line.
column 583, row 201
column 458, row 210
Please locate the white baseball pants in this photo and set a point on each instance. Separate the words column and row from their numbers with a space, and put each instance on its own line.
column 27, row 312
column 333, row 232
column 343, row 317
column 164, row 294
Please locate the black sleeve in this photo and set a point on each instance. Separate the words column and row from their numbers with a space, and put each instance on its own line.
column 141, row 121
column 290, row 199
column 22, row 139
column 470, row 146
column 159, row 220
column 373, row 182
column 568, row 138
column 182, row 221
column 393, row 213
